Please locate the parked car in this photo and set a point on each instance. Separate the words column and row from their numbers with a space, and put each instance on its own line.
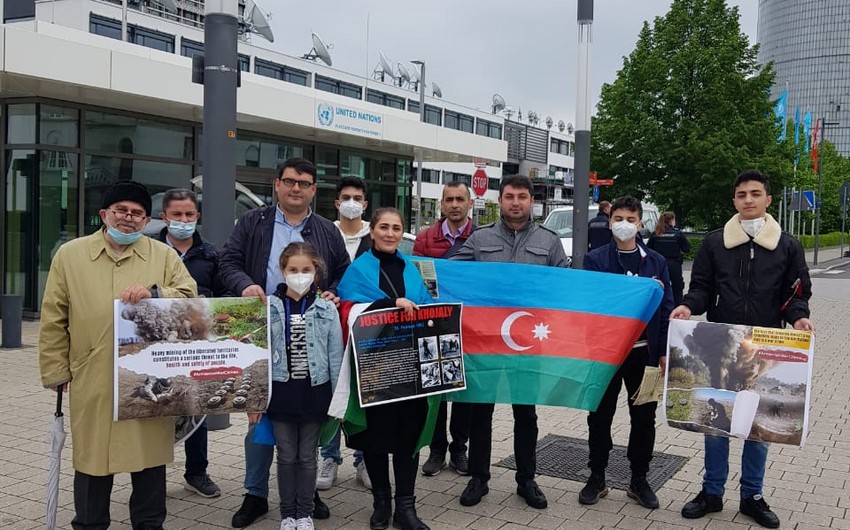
column 560, row 220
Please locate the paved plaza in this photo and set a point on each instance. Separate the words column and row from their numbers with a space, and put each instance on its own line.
column 807, row 487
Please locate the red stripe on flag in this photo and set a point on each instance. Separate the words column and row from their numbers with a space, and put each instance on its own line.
column 546, row 332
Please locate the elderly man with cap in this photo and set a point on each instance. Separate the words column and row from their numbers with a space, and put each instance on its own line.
column 76, row 352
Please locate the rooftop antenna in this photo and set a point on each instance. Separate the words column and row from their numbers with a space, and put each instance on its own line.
column 561, row 125
column 530, row 117
column 519, row 115
column 508, row 113
column 319, row 51
column 383, row 68
column 415, row 77
column 403, row 75
column 253, row 20
column 549, row 122
column 498, row 103
column 570, row 128
column 437, row 91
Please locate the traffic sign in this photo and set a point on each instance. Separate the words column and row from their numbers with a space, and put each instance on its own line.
column 809, row 197
column 604, row 182
column 479, row 182
column 596, row 194
column 479, row 203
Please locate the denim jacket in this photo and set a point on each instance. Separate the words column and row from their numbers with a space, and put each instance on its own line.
column 324, row 341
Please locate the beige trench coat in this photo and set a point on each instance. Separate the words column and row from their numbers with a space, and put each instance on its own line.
column 76, row 344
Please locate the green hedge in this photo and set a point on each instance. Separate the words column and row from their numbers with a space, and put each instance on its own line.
column 695, row 242
column 832, row 239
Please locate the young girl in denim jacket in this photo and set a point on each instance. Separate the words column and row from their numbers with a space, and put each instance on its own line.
column 306, row 339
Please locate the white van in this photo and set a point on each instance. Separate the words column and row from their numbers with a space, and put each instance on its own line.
column 560, row 220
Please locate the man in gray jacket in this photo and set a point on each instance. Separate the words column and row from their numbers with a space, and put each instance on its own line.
column 515, row 238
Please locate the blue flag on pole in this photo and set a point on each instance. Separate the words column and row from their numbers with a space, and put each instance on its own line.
column 780, row 108
column 796, row 135
column 807, row 125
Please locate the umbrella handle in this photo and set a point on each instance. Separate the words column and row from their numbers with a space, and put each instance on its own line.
column 59, row 390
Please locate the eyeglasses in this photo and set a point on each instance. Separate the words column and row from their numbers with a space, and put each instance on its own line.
column 134, row 215
column 290, row 183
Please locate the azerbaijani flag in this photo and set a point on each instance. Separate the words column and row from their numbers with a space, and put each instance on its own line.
column 544, row 335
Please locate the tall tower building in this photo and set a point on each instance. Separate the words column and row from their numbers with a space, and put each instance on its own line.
column 809, row 44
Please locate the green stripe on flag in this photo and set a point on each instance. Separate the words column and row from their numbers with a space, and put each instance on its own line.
column 534, row 380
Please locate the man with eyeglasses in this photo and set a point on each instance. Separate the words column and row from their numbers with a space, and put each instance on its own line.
column 249, row 267
column 76, row 350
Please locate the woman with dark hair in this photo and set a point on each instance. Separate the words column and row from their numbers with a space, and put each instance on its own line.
column 671, row 243
column 384, row 278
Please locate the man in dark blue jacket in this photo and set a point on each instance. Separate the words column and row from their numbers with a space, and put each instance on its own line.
column 180, row 214
column 249, row 267
column 627, row 254
column 598, row 229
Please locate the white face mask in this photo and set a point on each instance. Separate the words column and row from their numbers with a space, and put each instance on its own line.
column 624, row 230
column 752, row 226
column 300, row 283
column 351, row 209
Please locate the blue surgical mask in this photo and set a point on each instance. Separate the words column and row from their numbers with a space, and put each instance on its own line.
column 120, row 238
column 180, row 230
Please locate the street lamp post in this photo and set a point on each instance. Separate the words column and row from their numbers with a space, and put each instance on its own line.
column 819, row 198
column 418, row 217
column 581, row 198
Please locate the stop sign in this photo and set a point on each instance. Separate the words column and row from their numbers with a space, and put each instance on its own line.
column 479, row 182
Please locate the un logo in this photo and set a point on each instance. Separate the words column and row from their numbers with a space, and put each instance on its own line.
column 325, row 114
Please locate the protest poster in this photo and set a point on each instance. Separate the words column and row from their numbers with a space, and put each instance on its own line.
column 399, row 356
column 186, row 357
column 739, row 381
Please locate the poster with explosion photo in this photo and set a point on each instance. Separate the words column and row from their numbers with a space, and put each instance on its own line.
column 185, row 357
column 739, row 381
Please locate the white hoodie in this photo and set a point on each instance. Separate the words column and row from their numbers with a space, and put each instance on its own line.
column 352, row 242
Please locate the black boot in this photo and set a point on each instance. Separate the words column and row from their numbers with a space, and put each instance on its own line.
column 383, row 508
column 405, row 517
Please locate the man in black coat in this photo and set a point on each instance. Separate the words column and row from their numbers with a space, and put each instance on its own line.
column 249, row 267
column 598, row 229
column 750, row 273
column 180, row 214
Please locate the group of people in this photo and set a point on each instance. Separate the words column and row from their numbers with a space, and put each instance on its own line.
column 305, row 265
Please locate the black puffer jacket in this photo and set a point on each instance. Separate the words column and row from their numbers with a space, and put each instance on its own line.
column 202, row 262
column 246, row 254
column 740, row 280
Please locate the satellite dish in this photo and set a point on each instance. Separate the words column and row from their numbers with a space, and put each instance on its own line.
column 383, row 68
column 403, row 75
column 530, row 116
column 570, row 128
column 498, row 103
column 561, row 125
column 549, row 122
column 253, row 20
column 319, row 51
column 436, row 90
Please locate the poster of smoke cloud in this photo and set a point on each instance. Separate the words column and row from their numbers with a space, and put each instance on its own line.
column 739, row 381
column 183, row 357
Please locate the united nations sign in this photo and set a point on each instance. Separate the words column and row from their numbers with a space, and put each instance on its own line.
column 349, row 120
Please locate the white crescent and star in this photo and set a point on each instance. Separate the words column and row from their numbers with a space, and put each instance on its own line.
column 540, row 331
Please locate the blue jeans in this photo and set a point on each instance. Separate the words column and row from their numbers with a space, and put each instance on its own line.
column 196, row 452
column 753, row 463
column 332, row 450
column 258, row 461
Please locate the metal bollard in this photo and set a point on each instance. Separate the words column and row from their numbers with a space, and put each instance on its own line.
column 11, row 313
column 218, row 422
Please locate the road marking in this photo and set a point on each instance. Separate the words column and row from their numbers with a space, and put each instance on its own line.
column 834, row 272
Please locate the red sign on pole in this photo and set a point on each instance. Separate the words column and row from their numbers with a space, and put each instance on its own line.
column 479, row 182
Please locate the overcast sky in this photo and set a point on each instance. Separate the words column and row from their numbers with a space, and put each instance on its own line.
column 524, row 50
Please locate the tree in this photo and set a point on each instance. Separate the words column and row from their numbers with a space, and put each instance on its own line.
column 689, row 110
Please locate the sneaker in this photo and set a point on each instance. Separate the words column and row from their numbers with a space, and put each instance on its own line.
column 305, row 523
column 288, row 524
column 327, row 474
column 594, row 490
column 701, row 505
column 473, row 492
column 202, row 485
column 460, row 463
column 362, row 476
column 436, row 462
column 530, row 491
column 252, row 508
column 758, row 509
column 320, row 509
column 640, row 491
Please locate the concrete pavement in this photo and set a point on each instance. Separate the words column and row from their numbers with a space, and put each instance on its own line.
column 807, row 487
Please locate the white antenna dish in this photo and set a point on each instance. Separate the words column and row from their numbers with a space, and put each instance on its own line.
column 436, row 90
column 253, row 20
column 530, row 116
column 403, row 75
column 386, row 64
column 549, row 122
column 498, row 103
column 561, row 125
column 570, row 128
column 319, row 51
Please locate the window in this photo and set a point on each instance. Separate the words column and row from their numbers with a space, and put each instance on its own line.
column 190, row 48
column 338, row 87
column 266, row 153
column 129, row 135
column 448, row 176
column 278, row 71
column 105, row 27
column 382, row 98
column 493, row 184
column 413, row 106
column 561, row 147
column 58, row 125
column 433, row 115
column 428, row 175
column 487, row 128
column 460, row 122
column 150, row 38
column 243, row 62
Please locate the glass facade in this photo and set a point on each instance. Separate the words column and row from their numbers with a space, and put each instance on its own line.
column 809, row 44
column 59, row 158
